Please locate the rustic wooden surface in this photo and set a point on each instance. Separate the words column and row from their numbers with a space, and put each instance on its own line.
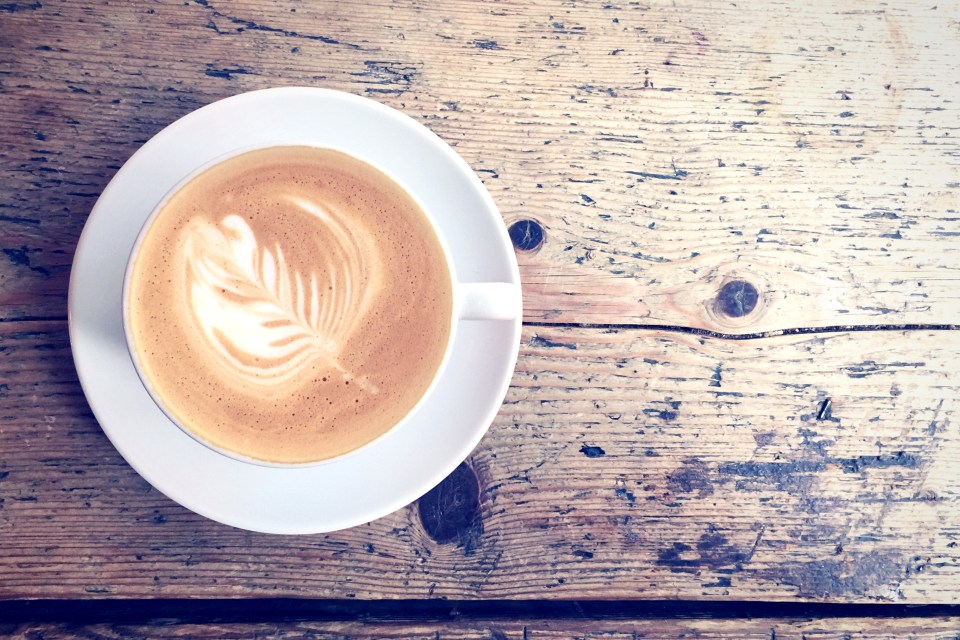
column 655, row 444
column 774, row 629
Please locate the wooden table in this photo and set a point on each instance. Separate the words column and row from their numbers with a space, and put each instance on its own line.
column 737, row 225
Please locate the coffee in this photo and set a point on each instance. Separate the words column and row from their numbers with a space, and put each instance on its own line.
column 289, row 304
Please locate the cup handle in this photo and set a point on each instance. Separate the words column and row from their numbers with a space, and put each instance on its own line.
column 490, row 301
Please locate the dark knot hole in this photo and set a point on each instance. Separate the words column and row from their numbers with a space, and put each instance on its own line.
column 450, row 512
column 526, row 235
column 737, row 298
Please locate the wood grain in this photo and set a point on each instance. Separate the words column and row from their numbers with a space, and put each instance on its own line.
column 666, row 148
column 625, row 463
column 773, row 629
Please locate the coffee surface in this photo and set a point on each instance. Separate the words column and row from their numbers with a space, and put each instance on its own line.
column 289, row 304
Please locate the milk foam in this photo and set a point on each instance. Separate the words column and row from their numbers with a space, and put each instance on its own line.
column 289, row 304
column 265, row 318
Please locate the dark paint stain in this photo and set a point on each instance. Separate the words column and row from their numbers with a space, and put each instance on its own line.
column 769, row 470
column 539, row 341
column 846, row 114
column 227, row 74
column 625, row 495
column 721, row 582
column 585, row 555
column 871, row 367
column 817, row 446
column 692, row 476
column 486, row 44
column 4, row 474
column 671, row 556
column 791, row 477
column 860, row 463
column 855, row 575
column 887, row 215
column 21, row 257
column 764, row 439
column 18, row 220
column 713, row 550
column 16, row 7
column 590, row 452
column 737, row 299
column 716, row 551
column 526, row 235
column 450, row 512
column 624, row 139
column 678, row 174
column 717, row 378
column 781, row 472
column 587, row 198
column 253, row 26
column 663, row 414
column 399, row 76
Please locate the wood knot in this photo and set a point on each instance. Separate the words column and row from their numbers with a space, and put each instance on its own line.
column 526, row 235
column 450, row 512
column 736, row 299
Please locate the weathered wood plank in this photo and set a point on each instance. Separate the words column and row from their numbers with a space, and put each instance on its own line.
column 761, row 629
column 631, row 464
column 666, row 147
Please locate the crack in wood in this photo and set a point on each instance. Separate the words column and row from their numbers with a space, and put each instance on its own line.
column 254, row 26
column 721, row 335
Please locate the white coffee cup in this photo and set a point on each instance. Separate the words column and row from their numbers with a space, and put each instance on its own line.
column 374, row 480
column 471, row 301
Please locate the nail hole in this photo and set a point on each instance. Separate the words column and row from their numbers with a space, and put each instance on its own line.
column 526, row 235
column 737, row 298
column 825, row 412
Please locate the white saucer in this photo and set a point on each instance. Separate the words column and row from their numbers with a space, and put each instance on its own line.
column 383, row 477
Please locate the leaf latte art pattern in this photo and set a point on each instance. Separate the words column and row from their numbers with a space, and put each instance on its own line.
column 265, row 318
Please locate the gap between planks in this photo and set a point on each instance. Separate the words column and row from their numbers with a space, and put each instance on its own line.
column 757, row 335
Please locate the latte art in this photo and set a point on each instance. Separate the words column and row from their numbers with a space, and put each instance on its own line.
column 264, row 317
column 289, row 304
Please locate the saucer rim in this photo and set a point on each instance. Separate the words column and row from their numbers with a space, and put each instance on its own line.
column 401, row 495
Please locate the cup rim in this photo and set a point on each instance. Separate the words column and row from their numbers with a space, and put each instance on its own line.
column 455, row 286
